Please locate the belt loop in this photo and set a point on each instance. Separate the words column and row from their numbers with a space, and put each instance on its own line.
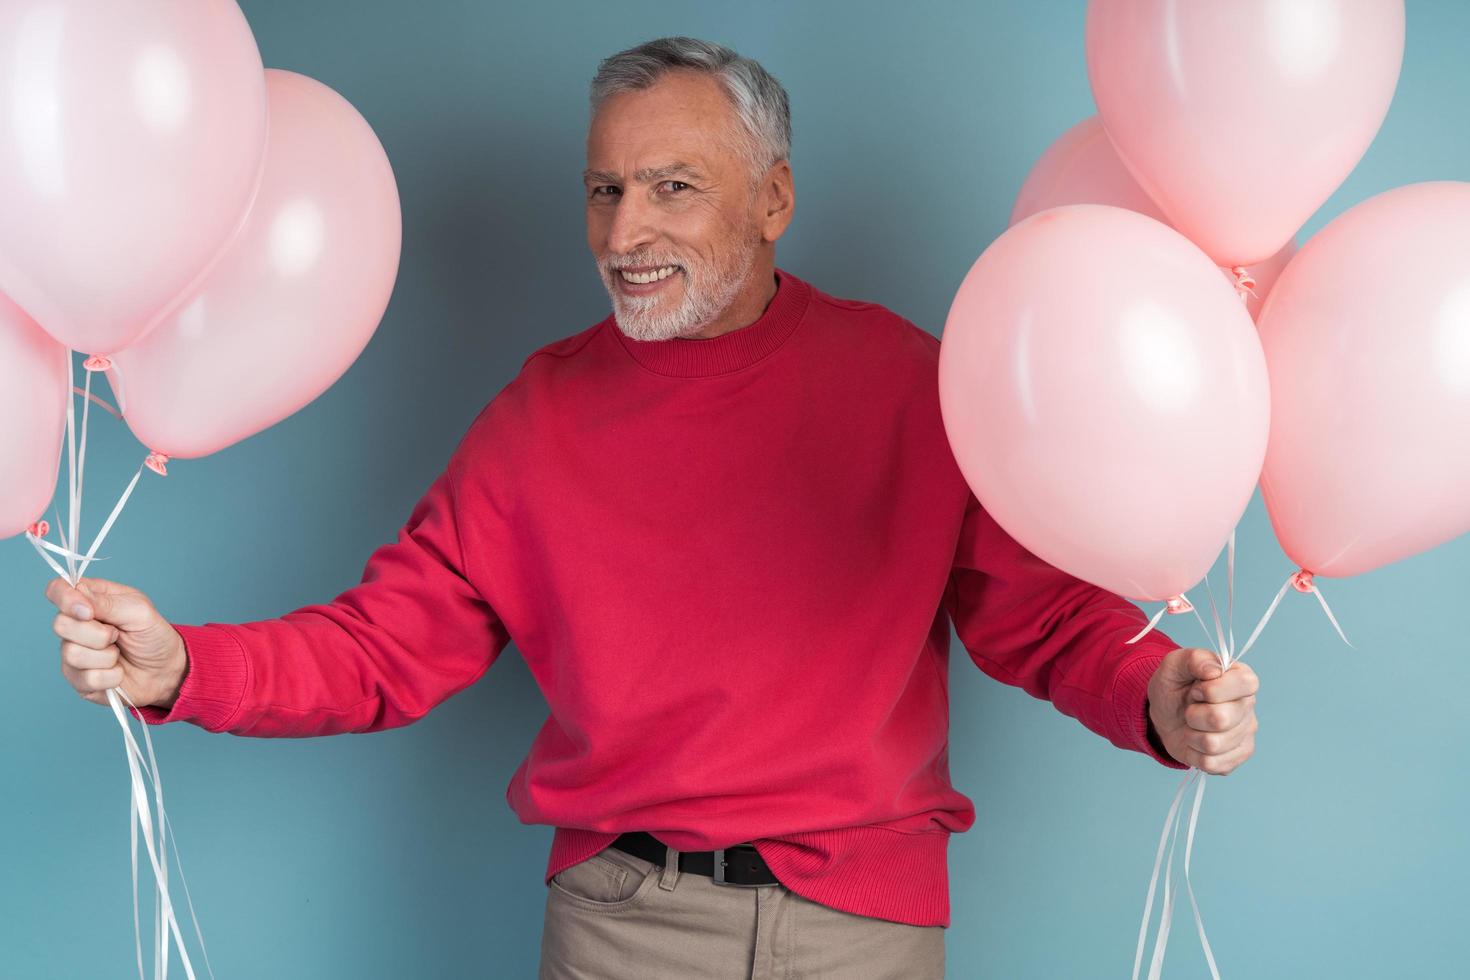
column 670, row 875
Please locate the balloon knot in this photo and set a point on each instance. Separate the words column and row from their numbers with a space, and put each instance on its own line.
column 1245, row 283
column 97, row 363
column 156, row 462
column 1302, row 581
column 40, row 529
column 1178, row 604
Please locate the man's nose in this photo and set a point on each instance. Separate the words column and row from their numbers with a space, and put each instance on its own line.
column 632, row 225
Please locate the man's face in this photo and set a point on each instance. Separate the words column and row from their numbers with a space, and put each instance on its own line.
column 672, row 208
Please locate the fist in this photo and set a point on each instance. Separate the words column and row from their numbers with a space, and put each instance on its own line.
column 1205, row 717
column 111, row 636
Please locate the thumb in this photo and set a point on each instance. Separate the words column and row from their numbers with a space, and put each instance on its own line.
column 116, row 605
column 1189, row 664
column 1204, row 665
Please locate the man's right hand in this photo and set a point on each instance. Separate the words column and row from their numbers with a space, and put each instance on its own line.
column 111, row 636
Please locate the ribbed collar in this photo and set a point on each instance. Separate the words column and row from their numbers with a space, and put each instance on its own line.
column 693, row 357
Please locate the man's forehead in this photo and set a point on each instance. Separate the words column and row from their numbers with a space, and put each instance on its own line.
column 683, row 120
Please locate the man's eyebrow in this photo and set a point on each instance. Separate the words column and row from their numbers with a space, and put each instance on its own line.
column 644, row 176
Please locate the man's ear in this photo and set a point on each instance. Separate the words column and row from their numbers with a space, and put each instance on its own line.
column 778, row 200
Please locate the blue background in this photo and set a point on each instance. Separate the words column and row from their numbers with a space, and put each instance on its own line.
column 1339, row 850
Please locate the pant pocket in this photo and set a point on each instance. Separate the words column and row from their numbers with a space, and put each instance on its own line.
column 608, row 881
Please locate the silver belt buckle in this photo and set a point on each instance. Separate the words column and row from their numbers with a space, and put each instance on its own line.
column 719, row 877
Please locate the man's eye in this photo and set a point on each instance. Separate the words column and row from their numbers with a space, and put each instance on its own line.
column 604, row 191
column 676, row 185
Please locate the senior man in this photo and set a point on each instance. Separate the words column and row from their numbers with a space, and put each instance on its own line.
column 725, row 530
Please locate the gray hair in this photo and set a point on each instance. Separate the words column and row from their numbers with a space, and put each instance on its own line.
column 758, row 99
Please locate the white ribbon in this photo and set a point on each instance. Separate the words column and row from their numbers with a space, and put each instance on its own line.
column 1153, row 881
column 1271, row 609
column 1230, row 584
column 1225, row 636
column 71, row 473
column 1151, row 624
column 164, row 909
column 140, row 815
column 1225, row 639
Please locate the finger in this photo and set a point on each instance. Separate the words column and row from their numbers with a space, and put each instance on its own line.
column 98, row 680
column 1225, row 763
column 73, row 677
column 1216, row 743
column 89, row 633
column 69, row 600
column 1237, row 682
column 80, row 657
column 1209, row 716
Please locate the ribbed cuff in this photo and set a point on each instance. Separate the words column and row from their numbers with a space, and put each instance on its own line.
column 1130, row 708
column 215, row 684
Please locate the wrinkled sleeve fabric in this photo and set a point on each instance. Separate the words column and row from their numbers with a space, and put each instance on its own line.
column 381, row 655
column 1059, row 638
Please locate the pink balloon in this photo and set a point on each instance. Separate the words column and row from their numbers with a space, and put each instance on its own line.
column 131, row 138
column 1105, row 396
column 1239, row 119
column 33, row 401
column 1082, row 167
column 1367, row 336
column 295, row 298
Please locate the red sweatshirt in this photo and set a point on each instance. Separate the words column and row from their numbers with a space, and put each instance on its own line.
column 731, row 565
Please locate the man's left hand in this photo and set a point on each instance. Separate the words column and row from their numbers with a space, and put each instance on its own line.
column 1204, row 717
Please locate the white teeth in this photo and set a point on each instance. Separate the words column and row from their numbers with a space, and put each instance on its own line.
column 646, row 277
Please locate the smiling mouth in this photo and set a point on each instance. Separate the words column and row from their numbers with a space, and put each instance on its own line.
column 647, row 276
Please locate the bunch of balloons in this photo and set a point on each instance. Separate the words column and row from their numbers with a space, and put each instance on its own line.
column 221, row 239
column 1108, row 396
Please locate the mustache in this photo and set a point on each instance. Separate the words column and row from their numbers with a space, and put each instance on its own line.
column 632, row 261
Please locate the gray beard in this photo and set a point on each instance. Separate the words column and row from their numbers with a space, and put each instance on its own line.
column 703, row 303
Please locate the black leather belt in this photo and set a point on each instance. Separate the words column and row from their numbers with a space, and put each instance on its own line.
column 739, row 864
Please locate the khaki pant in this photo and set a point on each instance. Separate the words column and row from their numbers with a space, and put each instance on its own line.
column 616, row 916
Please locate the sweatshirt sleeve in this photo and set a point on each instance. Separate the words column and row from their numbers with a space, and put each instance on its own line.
column 381, row 655
column 1059, row 638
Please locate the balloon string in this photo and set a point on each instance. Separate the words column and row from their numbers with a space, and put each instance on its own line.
column 1265, row 618
column 140, row 812
column 1199, row 922
column 101, row 402
column 145, row 819
column 1225, row 636
column 1330, row 618
column 111, row 518
column 58, row 549
column 1166, row 912
column 71, row 556
column 153, row 773
column 38, row 544
column 1176, row 604
column 76, row 518
column 1153, row 881
column 1151, row 624
column 71, row 466
column 1200, row 619
column 1220, row 647
column 1230, row 584
column 1302, row 582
